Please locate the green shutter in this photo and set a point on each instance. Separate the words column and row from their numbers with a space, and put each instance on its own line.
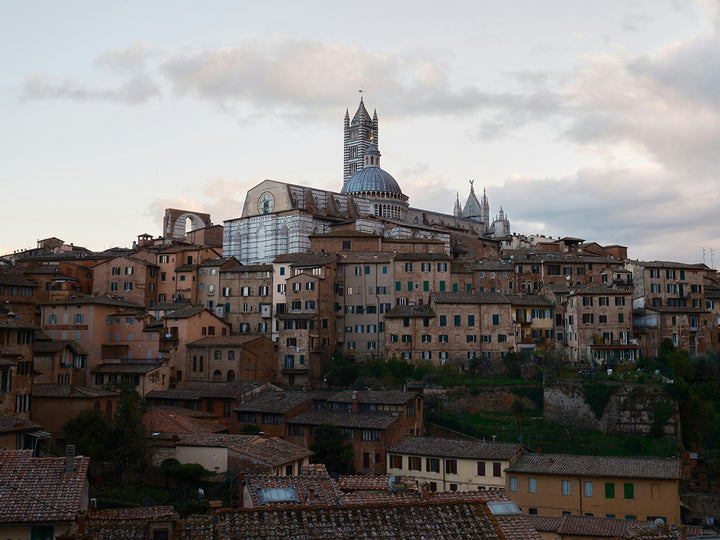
column 609, row 490
column 629, row 490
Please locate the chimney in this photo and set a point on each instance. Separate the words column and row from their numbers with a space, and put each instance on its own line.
column 69, row 458
column 355, row 403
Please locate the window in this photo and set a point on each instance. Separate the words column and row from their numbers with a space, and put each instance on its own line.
column 78, row 318
column 457, row 320
column 588, row 488
column 471, row 320
column 471, row 338
column 513, row 483
column 481, row 468
column 497, row 469
column 609, row 490
column 443, row 320
column 566, row 487
column 629, row 490
column 432, row 465
column 415, row 463
column 495, row 319
column 370, row 434
column 451, row 466
column 408, row 267
column 396, row 462
column 425, row 267
column 442, row 267
column 621, row 317
column 128, row 286
column 532, row 485
column 443, row 338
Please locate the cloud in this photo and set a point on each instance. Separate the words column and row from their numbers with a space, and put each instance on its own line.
column 134, row 91
column 132, row 59
column 138, row 88
column 653, row 212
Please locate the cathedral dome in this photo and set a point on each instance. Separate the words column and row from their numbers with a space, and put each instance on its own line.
column 371, row 179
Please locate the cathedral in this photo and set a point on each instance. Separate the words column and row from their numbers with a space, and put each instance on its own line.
column 278, row 217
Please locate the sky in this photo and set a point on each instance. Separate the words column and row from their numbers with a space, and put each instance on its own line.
column 598, row 120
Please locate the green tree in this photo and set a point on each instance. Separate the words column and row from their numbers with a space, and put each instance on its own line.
column 331, row 449
column 131, row 447
column 249, row 429
column 91, row 432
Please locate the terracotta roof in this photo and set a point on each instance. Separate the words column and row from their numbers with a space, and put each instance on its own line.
column 190, row 413
column 217, row 261
column 196, row 390
column 422, row 257
column 36, row 490
column 410, row 311
column 271, row 450
column 140, row 512
column 225, row 341
column 376, row 482
column 276, row 402
column 164, row 422
column 671, row 264
column 305, row 259
column 439, row 521
column 599, row 290
column 303, row 490
column 15, row 323
column 437, row 446
column 46, row 346
column 345, row 418
column 529, row 300
column 183, row 312
column 364, row 257
column 82, row 299
column 54, row 390
column 128, row 367
column 598, row 466
column 597, row 527
column 386, row 397
column 10, row 424
column 469, row 298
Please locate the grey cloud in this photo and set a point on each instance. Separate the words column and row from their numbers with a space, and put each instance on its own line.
column 135, row 91
column 652, row 213
column 131, row 59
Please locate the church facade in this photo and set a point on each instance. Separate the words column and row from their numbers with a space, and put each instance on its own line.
column 279, row 217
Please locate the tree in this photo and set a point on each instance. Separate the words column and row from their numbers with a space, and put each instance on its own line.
column 331, row 449
column 131, row 447
column 250, row 429
column 91, row 432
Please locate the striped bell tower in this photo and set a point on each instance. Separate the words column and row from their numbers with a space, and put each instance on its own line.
column 358, row 134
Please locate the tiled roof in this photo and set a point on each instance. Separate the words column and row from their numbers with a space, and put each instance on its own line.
column 469, row 298
column 598, row 466
column 160, row 421
column 529, row 300
column 309, row 490
column 15, row 323
column 670, row 309
column 364, row 257
column 599, row 289
column 596, row 527
column 147, row 513
column 45, row 346
column 345, row 234
column 83, row 299
column 276, row 402
column 183, row 312
column 670, row 264
column 217, row 261
column 271, row 450
column 410, row 311
column 15, row 280
column 37, row 490
column 305, row 259
column 439, row 521
column 233, row 340
column 9, row 424
column 376, row 482
column 186, row 268
column 347, row 419
column 422, row 257
column 196, row 390
column 386, row 397
column 54, row 390
column 129, row 367
column 437, row 446
column 191, row 413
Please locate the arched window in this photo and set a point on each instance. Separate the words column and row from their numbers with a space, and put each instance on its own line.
column 231, row 355
column 217, row 375
column 108, row 410
column 97, row 406
column 218, row 355
column 230, row 375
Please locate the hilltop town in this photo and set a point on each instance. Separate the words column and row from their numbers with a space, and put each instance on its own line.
column 338, row 364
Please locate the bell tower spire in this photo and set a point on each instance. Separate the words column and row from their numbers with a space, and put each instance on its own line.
column 359, row 134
